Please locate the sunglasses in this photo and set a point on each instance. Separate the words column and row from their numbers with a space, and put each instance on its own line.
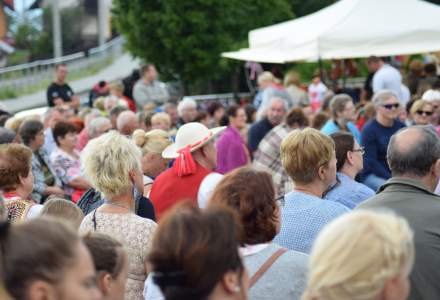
column 424, row 112
column 391, row 106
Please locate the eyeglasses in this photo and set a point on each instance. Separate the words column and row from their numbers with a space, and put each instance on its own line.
column 361, row 150
column 424, row 112
column 391, row 106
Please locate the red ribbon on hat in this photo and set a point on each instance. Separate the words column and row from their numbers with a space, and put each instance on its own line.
column 184, row 163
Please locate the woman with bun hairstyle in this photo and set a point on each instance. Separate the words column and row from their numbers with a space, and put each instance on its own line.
column 111, row 264
column 45, row 259
column 152, row 143
column 195, row 255
column 363, row 255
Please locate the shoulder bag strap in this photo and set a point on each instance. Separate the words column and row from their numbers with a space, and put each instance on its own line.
column 267, row 264
column 94, row 219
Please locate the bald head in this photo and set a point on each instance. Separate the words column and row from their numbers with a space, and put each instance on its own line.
column 413, row 151
column 126, row 122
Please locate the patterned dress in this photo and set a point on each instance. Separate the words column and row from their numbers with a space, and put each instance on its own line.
column 136, row 234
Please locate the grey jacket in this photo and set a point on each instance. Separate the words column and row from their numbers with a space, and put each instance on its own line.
column 286, row 279
column 421, row 208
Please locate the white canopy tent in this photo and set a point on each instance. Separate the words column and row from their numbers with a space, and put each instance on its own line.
column 348, row 29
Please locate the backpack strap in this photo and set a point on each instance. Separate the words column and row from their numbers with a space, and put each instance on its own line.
column 267, row 264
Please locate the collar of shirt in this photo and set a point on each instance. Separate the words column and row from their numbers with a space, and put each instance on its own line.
column 252, row 249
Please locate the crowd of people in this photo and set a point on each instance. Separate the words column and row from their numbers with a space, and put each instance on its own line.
column 303, row 193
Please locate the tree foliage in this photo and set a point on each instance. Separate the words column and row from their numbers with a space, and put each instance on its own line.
column 185, row 38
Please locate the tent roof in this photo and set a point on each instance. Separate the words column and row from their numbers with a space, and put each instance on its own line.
column 348, row 28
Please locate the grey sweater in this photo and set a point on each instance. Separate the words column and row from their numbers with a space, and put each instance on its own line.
column 285, row 279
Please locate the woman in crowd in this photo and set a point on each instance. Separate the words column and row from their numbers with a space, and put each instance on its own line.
column 341, row 269
column 216, row 112
column 195, row 255
column 312, row 169
column 16, row 181
column 267, row 157
column 232, row 151
column 46, row 183
column 152, row 144
column 66, row 161
column 161, row 121
column 45, row 259
column 251, row 193
column 111, row 264
column 64, row 210
column 422, row 112
column 349, row 155
column 119, row 180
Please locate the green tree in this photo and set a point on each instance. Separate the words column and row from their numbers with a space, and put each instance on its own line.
column 185, row 38
column 302, row 8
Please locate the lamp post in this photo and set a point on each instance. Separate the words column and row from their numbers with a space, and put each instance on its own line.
column 56, row 24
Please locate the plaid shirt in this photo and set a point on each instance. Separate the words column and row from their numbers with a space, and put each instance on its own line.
column 267, row 158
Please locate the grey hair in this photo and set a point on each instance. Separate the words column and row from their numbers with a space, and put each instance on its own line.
column 96, row 124
column 123, row 118
column 381, row 96
column 184, row 104
column 419, row 158
column 280, row 99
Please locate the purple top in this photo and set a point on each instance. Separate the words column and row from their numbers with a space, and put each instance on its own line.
column 231, row 152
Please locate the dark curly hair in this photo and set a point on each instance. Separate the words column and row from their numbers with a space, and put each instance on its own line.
column 252, row 194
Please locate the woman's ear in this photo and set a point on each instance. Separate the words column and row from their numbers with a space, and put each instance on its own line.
column 41, row 290
column 105, row 282
column 321, row 172
column 231, row 282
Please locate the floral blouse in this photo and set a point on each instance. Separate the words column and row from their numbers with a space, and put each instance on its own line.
column 66, row 167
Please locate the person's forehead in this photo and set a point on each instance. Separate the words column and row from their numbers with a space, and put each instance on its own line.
column 391, row 99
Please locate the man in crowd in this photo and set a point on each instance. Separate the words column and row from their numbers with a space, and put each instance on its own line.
column 275, row 113
column 51, row 118
column 187, row 111
column 349, row 155
column 414, row 159
column 127, row 123
column 148, row 89
column 267, row 157
column 386, row 77
column 375, row 137
column 343, row 115
column 191, row 177
column 59, row 92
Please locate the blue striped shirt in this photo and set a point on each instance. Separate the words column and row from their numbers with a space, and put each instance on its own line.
column 302, row 218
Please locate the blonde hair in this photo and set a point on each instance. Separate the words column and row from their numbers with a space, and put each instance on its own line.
column 266, row 76
column 154, row 141
column 355, row 255
column 304, row 151
column 116, row 86
column 419, row 104
column 292, row 77
column 14, row 123
column 161, row 117
column 107, row 160
column 63, row 209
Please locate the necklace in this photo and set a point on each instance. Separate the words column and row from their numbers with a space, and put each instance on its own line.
column 116, row 204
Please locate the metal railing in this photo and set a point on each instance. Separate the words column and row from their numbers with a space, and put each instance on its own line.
column 26, row 76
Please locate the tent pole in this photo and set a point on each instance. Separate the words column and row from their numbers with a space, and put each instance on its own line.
column 321, row 69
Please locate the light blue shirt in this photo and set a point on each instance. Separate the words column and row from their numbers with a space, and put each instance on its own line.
column 348, row 192
column 302, row 218
column 331, row 127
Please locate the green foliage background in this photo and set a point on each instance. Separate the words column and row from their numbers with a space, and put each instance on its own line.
column 185, row 38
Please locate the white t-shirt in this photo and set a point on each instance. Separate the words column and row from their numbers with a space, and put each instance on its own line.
column 207, row 187
column 316, row 94
column 388, row 78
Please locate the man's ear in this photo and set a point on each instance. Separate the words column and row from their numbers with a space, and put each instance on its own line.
column 435, row 169
column 41, row 290
column 321, row 172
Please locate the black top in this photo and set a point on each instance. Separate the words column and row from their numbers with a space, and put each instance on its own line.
column 368, row 86
column 63, row 91
column 257, row 133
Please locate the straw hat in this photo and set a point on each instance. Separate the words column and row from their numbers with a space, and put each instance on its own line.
column 193, row 135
